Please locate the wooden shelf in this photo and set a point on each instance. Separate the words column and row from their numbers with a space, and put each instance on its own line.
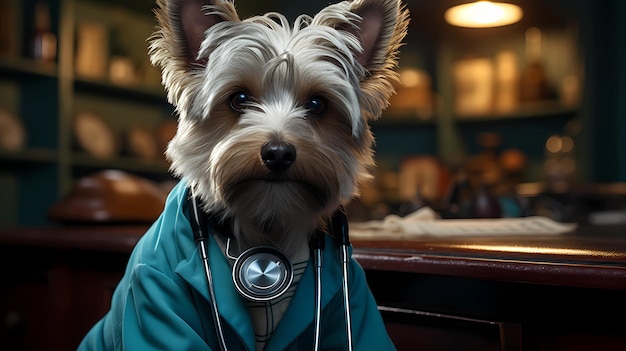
column 393, row 120
column 16, row 67
column 47, row 95
column 126, row 163
column 540, row 109
column 29, row 156
column 105, row 87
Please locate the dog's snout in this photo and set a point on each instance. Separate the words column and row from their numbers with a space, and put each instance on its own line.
column 278, row 156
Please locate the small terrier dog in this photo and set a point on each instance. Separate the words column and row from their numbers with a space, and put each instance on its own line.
column 273, row 138
column 273, row 129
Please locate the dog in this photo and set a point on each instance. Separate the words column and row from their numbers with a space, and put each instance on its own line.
column 273, row 140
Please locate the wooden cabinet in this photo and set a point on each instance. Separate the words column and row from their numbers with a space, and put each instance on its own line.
column 63, row 285
column 508, row 292
column 47, row 96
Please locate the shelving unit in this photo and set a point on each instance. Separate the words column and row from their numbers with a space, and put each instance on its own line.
column 434, row 47
column 46, row 96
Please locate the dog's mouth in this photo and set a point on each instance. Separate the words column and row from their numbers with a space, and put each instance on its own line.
column 282, row 180
column 289, row 188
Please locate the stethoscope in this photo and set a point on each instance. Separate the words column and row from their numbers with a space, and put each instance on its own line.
column 264, row 273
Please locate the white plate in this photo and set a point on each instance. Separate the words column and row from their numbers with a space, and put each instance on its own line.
column 95, row 135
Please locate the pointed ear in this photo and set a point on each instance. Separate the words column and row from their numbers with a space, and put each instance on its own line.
column 380, row 26
column 183, row 23
column 194, row 21
column 380, row 31
column 175, row 45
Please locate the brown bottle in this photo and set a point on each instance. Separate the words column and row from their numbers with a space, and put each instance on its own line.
column 44, row 41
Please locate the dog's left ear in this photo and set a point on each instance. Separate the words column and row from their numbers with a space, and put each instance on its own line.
column 381, row 30
column 380, row 26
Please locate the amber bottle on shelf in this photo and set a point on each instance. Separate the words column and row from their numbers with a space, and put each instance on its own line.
column 44, row 41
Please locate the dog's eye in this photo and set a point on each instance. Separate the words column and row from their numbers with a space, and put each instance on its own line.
column 239, row 101
column 316, row 105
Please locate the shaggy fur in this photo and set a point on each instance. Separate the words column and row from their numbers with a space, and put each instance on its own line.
column 344, row 58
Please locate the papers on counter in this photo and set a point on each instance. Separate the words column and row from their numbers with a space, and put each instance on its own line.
column 425, row 222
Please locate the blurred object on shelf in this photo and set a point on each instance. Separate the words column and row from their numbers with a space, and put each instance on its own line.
column 456, row 203
column 570, row 90
column 584, row 203
column 421, row 180
column 111, row 197
column 486, row 186
column 414, row 95
column 471, row 201
column 485, row 168
column 8, row 30
column 533, row 45
column 507, row 82
column 44, row 41
column 484, row 204
column 122, row 71
column 560, row 163
column 387, row 184
column 94, row 135
column 535, row 84
column 534, row 81
column 473, row 86
column 513, row 163
column 92, row 50
column 142, row 143
column 12, row 132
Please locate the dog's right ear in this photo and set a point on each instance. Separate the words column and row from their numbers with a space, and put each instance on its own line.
column 182, row 25
column 193, row 21
column 174, row 47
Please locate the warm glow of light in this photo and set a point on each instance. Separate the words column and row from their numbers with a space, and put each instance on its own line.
column 410, row 78
column 567, row 144
column 483, row 14
column 537, row 250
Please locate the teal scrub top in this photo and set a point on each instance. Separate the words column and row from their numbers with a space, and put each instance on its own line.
column 162, row 301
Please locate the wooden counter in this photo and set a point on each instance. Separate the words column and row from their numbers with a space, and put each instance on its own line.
column 590, row 260
column 553, row 292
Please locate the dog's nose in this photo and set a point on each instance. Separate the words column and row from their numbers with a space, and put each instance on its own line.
column 278, row 156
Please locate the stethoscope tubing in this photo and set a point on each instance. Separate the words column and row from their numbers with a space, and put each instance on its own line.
column 217, row 322
column 346, row 294
column 201, row 239
column 341, row 238
column 317, row 321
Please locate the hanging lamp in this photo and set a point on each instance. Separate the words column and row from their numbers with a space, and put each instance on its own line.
column 483, row 14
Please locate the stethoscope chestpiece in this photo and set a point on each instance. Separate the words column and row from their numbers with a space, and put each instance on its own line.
column 262, row 273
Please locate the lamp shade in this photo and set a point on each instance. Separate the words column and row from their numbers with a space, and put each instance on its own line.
column 483, row 14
